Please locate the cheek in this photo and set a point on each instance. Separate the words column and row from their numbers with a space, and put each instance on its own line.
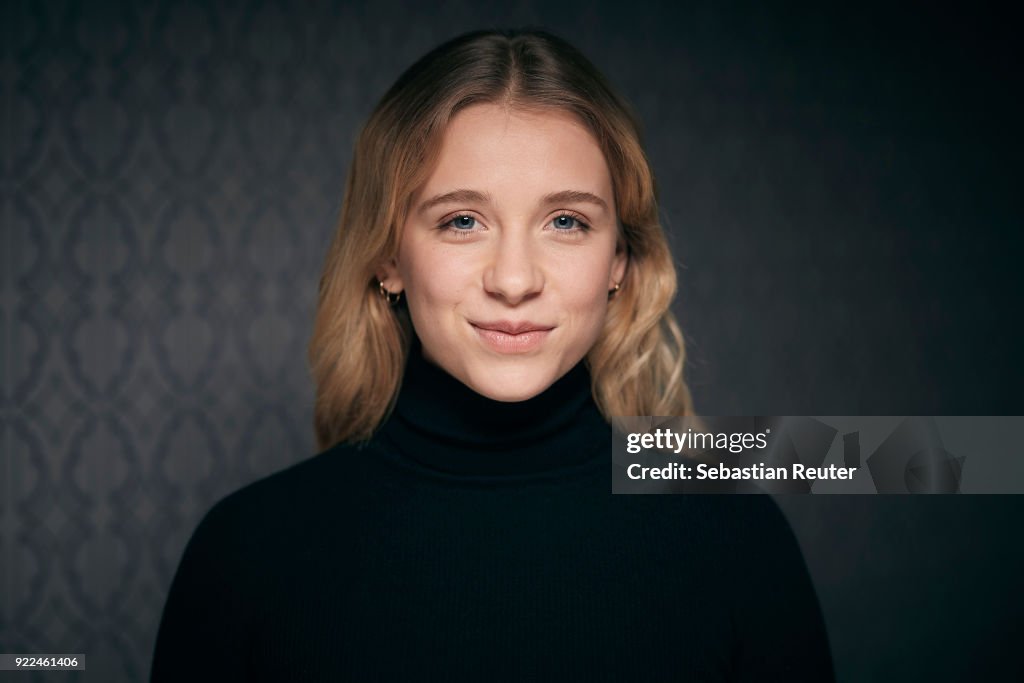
column 435, row 278
column 584, row 279
column 585, row 292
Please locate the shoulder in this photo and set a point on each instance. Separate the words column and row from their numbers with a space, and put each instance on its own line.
column 738, row 519
column 760, row 532
column 760, row 515
column 278, row 503
column 778, row 621
column 741, row 535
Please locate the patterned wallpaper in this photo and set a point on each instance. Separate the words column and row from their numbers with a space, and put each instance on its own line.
column 176, row 184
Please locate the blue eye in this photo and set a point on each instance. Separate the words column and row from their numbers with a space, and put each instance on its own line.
column 462, row 222
column 568, row 223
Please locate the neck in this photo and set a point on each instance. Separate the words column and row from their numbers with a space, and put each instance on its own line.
column 442, row 424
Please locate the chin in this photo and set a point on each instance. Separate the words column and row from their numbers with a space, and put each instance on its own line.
column 513, row 385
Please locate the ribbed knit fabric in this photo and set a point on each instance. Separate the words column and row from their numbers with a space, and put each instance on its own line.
column 472, row 539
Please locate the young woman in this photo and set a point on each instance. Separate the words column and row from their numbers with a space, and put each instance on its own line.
column 498, row 287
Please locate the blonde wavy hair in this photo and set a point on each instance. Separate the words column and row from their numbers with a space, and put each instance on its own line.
column 359, row 345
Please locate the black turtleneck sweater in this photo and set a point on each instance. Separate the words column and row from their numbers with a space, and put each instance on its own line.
column 472, row 539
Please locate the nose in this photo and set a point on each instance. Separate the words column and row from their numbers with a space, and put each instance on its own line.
column 513, row 272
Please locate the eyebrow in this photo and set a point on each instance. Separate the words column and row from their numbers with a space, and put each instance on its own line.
column 562, row 197
column 574, row 197
column 455, row 196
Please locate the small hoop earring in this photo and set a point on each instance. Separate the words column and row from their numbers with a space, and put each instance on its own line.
column 392, row 298
column 613, row 292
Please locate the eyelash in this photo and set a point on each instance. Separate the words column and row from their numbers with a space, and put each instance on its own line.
column 581, row 227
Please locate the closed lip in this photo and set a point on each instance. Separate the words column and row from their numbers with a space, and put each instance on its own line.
column 511, row 327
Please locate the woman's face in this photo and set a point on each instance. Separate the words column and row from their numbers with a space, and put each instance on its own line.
column 510, row 249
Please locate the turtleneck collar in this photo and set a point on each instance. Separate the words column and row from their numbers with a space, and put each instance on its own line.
column 442, row 424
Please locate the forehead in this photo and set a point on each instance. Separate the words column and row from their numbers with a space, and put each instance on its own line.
column 525, row 150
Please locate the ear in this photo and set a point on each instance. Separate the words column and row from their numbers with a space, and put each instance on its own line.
column 619, row 263
column 387, row 273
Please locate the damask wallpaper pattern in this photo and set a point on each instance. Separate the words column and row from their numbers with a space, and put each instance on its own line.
column 176, row 170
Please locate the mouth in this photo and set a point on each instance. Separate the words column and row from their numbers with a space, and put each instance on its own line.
column 512, row 337
column 512, row 327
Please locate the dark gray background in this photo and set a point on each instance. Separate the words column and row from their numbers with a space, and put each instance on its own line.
column 839, row 189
